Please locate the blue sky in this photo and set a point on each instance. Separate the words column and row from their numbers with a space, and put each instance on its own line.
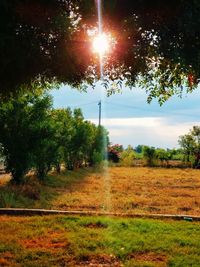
column 128, row 117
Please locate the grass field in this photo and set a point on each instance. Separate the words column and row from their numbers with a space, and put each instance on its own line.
column 97, row 241
column 127, row 190
column 102, row 241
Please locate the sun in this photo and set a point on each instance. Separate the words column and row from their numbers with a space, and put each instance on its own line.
column 101, row 44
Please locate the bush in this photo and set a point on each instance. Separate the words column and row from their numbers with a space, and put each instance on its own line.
column 97, row 158
column 149, row 154
column 127, row 157
column 7, row 200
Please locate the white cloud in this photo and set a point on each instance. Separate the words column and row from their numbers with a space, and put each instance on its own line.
column 127, row 114
column 155, row 131
column 130, row 122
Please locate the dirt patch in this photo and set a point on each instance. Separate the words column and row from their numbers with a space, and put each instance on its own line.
column 7, row 260
column 159, row 259
column 4, row 262
column 96, row 225
column 99, row 261
column 54, row 240
column 7, row 218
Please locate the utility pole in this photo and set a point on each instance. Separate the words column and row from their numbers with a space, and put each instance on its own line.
column 99, row 104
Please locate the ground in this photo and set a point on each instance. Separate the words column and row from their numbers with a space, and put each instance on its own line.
column 103, row 241
column 118, row 189
column 70, row 241
column 135, row 190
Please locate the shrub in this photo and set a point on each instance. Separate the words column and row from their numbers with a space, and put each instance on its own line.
column 149, row 154
column 97, row 158
column 127, row 157
column 7, row 200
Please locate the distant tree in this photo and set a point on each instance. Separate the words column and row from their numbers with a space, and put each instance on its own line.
column 149, row 154
column 177, row 154
column 138, row 149
column 163, row 155
column 190, row 143
column 127, row 156
column 187, row 143
column 196, row 134
column 114, row 152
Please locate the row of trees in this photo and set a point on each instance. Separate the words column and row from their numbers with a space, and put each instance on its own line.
column 151, row 155
column 188, row 153
column 35, row 136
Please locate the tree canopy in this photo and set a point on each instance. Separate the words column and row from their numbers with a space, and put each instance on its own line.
column 157, row 44
column 190, row 143
column 34, row 136
column 38, row 41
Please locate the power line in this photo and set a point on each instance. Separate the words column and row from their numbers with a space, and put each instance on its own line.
column 148, row 110
column 130, row 107
column 84, row 104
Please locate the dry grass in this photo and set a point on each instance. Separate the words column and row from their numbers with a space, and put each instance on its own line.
column 134, row 190
column 118, row 189
column 56, row 241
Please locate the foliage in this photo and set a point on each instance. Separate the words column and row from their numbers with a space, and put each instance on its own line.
column 40, row 41
column 1, row 155
column 149, row 154
column 22, row 129
column 114, row 152
column 82, row 141
column 33, row 135
column 157, row 44
column 138, row 148
column 190, row 143
column 163, row 155
column 101, row 142
column 127, row 157
column 97, row 158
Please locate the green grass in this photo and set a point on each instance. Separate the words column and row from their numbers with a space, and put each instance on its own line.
column 72, row 241
column 79, row 241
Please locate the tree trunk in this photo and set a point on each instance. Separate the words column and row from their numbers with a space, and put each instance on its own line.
column 58, row 168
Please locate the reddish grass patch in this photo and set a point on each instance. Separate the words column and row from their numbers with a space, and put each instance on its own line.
column 54, row 240
column 159, row 259
column 7, row 218
column 99, row 260
column 7, row 260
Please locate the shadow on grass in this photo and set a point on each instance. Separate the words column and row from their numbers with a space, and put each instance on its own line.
column 40, row 194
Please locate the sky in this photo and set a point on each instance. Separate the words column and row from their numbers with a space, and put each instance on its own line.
column 128, row 117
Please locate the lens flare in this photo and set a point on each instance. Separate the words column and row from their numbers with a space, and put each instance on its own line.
column 101, row 44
